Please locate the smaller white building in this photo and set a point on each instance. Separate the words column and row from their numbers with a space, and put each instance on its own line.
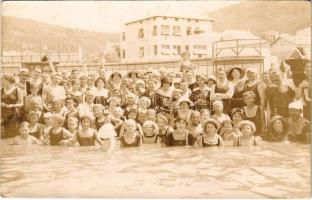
column 165, row 37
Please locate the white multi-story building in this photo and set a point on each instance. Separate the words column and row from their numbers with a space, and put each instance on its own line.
column 164, row 38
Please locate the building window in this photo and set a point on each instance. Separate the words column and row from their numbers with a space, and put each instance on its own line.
column 123, row 53
column 200, row 50
column 154, row 30
column 165, row 30
column 141, row 22
column 141, row 53
column 154, row 18
column 187, row 48
column 141, row 33
column 164, row 18
column 176, row 19
column 198, row 31
column 196, row 20
column 189, row 31
column 123, row 36
column 165, row 50
column 155, row 50
column 176, row 30
column 176, row 49
column 189, row 20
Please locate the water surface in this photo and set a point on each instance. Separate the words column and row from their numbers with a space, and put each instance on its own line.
column 271, row 171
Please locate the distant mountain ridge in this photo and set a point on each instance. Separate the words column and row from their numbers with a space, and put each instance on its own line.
column 18, row 33
column 261, row 16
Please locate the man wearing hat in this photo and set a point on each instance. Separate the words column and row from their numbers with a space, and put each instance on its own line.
column 201, row 95
column 23, row 83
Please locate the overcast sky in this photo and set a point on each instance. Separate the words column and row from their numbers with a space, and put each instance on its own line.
column 105, row 16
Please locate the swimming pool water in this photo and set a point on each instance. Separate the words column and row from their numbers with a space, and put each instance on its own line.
column 271, row 171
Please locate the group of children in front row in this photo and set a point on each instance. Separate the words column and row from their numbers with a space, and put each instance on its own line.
column 202, row 130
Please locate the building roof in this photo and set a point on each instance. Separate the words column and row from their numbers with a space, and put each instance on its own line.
column 180, row 17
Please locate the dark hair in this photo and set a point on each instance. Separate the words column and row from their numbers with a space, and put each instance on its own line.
column 164, row 81
column 97, row 80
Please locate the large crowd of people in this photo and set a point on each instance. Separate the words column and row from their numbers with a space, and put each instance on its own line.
column 236, row 106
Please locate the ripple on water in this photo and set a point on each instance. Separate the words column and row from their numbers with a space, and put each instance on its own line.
column 149, row 172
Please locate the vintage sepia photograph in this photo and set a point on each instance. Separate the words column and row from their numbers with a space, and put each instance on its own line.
column 156, row 99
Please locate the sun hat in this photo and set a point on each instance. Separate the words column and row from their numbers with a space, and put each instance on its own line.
column 247, row 122
column 229, row 74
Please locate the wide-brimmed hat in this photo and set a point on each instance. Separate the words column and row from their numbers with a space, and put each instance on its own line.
column 229, row 73
column 212, row 121
column 133, row 72
column 115, row 73
column 24, row 72
column 247, row 122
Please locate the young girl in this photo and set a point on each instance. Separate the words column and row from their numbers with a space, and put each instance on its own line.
column 131, row 102
column 180, row 136
column 57, row 134
column 164, row 128
column 246, row 132
column 131, row 136
column 86, row 136
column 47, row 119
column 59, row 108
column 72, row 111
column 72, row 124
column 210, row 135
column 34, row 88
column 24, row 138
column 143, row 104
column 226, row 131
column 150, row 132
column 75, row 93
column 151, row 115
column 35, row 128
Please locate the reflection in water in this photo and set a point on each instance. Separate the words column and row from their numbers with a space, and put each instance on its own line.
column 272, row 171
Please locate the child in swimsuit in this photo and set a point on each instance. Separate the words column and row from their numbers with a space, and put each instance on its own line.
column 131, row 137
column 246, row 130
column 35, row 128
column 226, row 131
column 210, row 135
column 57, row 134
column 150, row 132
column 180, row 136
column 47, row 122
column 164, row 128
column 86, row 136
column 24, row 138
